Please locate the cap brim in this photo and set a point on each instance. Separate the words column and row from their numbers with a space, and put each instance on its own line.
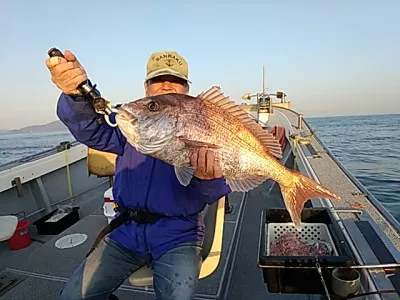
column 162, row 72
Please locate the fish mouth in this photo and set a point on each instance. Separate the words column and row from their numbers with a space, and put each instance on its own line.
column 125, row 115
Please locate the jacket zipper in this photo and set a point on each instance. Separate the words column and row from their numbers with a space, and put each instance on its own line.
column 146, row 208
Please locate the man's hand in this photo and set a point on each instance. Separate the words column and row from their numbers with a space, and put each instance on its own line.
column 207, row 167
column 66, row 73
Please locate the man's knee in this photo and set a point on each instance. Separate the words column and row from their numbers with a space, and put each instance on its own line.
column 67, row 293
column 73, row 291
column 83, row 284
column 179, row 287
column 176, row 272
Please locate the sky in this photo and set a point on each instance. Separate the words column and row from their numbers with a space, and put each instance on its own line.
column 330, row 57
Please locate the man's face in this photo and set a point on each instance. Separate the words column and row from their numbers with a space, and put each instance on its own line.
column 166, row 84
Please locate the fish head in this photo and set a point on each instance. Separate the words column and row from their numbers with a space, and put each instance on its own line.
column 149, row 123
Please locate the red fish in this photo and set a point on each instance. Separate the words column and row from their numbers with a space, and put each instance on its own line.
column 170, row 127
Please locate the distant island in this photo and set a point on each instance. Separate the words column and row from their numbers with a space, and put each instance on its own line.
column 49, row 127
column 58, row 126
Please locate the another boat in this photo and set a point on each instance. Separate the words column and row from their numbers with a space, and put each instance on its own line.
column 240, row 228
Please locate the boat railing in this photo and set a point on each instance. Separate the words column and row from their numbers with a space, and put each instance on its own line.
column 33, row 157
column 15, row 174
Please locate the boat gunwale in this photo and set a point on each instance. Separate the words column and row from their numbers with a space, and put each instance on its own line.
column 359, row 254
column 371, row 198
column 34, row 157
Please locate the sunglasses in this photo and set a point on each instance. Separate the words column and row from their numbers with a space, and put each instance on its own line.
column 169, row 78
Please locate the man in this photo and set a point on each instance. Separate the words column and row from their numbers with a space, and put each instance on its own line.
column 172, row 244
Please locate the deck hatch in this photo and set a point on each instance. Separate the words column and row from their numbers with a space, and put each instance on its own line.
column 8, row 281
column 312, row 151
column 380, row 250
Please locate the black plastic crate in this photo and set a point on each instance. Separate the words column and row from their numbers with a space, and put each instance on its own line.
column 54, row 228
column 286, row 279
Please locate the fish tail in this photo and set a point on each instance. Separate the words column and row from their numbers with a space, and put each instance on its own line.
column 298, row 191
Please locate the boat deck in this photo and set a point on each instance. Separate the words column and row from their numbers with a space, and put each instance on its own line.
column 45, row 268
column 374, row 237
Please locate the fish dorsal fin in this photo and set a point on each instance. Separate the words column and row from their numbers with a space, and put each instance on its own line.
column 216, row 96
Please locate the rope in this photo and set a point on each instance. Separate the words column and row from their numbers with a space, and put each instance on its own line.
column 68, row 173
column 294, row 153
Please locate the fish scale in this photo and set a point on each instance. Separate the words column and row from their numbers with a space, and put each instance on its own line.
column 232, row 150
column 213, row 129
column 238, row 150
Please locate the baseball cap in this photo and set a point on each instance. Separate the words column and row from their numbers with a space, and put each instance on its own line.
column 167, row 63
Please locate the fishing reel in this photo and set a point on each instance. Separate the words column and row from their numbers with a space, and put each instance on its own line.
column 100, row 104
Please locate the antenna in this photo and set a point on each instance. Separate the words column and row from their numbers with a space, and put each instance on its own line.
column 263, row 83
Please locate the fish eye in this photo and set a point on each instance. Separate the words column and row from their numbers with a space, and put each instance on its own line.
column 153, row 106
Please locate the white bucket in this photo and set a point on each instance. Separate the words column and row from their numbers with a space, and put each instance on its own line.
column 8, row 225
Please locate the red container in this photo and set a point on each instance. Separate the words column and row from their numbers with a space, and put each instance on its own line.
column 21, row 238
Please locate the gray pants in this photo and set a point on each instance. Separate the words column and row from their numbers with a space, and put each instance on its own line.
column 175, row 274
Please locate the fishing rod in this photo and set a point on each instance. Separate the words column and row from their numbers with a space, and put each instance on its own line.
column 100, row 104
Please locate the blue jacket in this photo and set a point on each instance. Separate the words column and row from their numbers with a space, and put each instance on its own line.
column 145, row 183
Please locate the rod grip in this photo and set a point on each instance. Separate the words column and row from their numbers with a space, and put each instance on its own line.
column 55, row 52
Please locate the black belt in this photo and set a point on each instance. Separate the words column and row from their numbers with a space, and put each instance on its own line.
column 126, row 215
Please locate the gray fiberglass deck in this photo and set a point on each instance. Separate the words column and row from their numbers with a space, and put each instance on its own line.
column 45, row 268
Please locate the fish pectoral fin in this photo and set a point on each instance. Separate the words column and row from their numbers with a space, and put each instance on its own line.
column 148, row 147
column 184, row 174
column 244, row 185
column 199, row 144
